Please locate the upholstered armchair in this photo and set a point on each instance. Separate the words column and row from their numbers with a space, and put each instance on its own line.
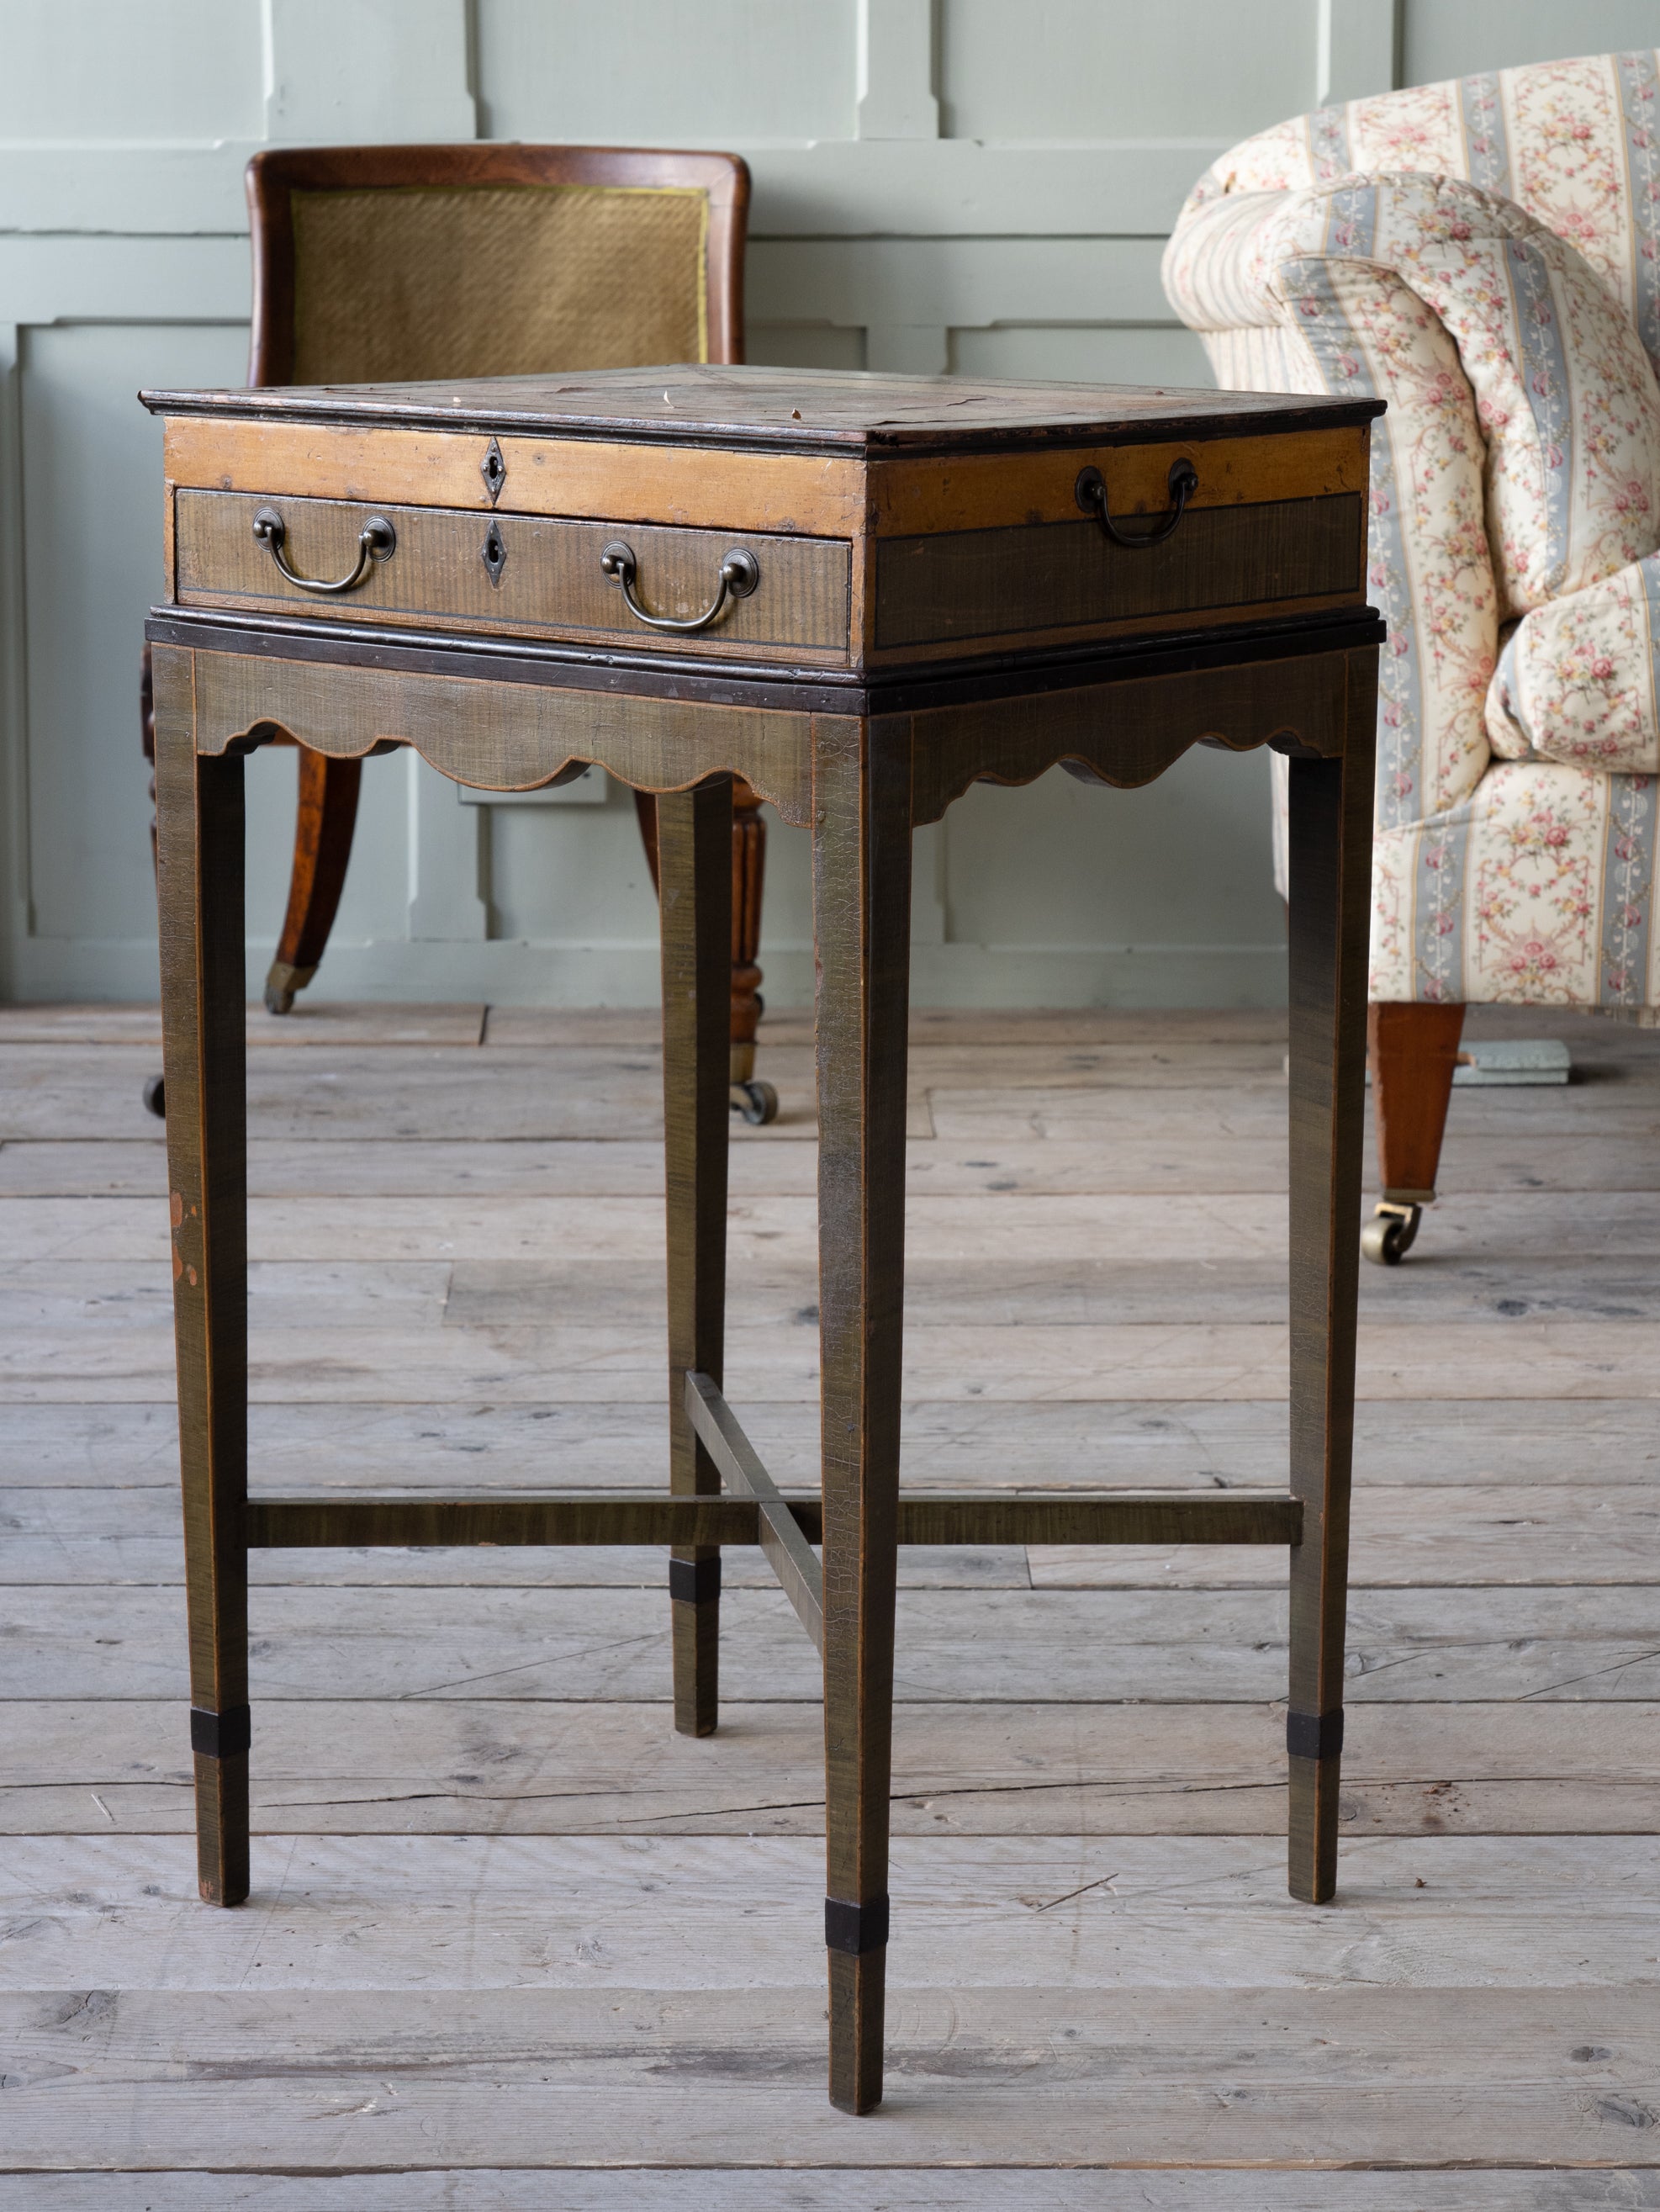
column 1484, row 255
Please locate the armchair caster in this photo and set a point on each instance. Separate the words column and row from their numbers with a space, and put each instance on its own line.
column 155, row 1097
column 1388, row 1237
column 757, row 1102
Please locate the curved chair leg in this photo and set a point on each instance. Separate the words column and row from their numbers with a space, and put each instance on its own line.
column 1414, row 1050
column 147, row 733
column 322, row 846
column 755, row 1100
column 645, row 808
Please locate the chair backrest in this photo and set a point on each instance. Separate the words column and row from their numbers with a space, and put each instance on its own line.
column 1576, row 143
column 400, row 264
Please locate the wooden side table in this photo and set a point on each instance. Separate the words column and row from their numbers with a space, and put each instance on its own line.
column 860, row 595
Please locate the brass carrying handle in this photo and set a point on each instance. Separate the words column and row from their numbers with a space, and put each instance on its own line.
column 376, row 541
column 740, row 571
column 1091, row 492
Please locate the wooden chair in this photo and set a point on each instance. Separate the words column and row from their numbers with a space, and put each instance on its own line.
column 404, row 264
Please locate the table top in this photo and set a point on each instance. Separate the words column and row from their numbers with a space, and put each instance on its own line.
column 811, row 410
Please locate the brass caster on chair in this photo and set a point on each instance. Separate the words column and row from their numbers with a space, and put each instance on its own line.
column 283, row 980
column 155, row 1097
column 1388, row 1237
column 757, row 1102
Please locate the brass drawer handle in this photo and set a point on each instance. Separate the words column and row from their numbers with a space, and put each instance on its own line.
column 376, row 541
column 740, row 571
column 1091, row 496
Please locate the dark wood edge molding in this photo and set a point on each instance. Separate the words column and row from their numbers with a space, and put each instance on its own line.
column 896, row 691
column 873, row 442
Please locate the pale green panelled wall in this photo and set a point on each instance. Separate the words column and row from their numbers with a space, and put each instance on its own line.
column 968, row 185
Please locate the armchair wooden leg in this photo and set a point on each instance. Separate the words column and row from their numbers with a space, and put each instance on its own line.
column 322, row 846
column 755, row 1100
column 1414, row 1050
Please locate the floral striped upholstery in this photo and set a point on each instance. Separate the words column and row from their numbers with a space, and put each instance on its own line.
column 1485, row 255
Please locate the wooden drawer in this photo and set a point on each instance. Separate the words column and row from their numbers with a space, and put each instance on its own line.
column 531, row 574
column 980, row 588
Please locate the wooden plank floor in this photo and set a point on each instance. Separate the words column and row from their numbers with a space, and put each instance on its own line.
column 512, row 1944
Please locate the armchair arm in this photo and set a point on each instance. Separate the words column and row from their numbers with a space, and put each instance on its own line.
column 1347, row 322
column 1217, row 267
column 1566, row 398
column 1521, row 449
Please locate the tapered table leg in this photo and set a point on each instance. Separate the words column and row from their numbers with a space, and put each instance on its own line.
column 861, row 917
column 199, row 858
column 1330, row 870
column 694, row 844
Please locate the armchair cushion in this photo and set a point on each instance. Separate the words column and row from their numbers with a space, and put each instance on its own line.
column 1537, row 888
column 1313, row 261
column 1576, row 681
